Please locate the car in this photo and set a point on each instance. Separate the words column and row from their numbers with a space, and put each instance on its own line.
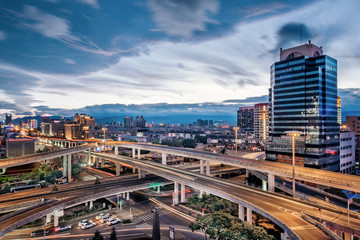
column 101, row 215
column 112, row 221
column 62, row 228
column 82, row 222
column 39, row 232
column 104, row 219
column 88, row 225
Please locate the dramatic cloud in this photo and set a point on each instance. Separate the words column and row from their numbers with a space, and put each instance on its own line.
column 183, row 17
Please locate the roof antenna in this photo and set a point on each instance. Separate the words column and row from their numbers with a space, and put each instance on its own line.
column 300, row 33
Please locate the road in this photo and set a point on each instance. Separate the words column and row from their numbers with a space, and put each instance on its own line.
column 273, row 205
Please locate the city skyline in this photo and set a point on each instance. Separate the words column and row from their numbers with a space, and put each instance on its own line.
column 57, row 53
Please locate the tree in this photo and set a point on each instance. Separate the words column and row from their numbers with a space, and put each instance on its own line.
column 97, row 236
column 201, row 139
column 189, row 143
column 113, row 234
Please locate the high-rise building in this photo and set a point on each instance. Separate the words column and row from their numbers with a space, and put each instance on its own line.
column 245, row 118
column 32, row 123
column 347, row 152
column 8, row 119
column 303, row 97
column 353, row 123
column 338, row 105
column 261, row 121
column 139, row 122
column 128, row 122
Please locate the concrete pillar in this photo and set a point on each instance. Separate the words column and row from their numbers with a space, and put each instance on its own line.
column 207, row 168
column 241, row 212
column 158, row 189
column 247, row 176
column 48, row 218
column 264, row 185
column 271, row 182
column 134, row 169
column 86, row 204
column 128, row 196
column 163, row 158
column 140, row 173
column 91, row 204
column 96, row 162
column 249, row 215
column 65, row 163
column 102, row 162
column 201, row 193
column 69, row 168
column 133, row 152
column 56, row 218
column 176, row 193
column 118, row 167
column 201, row 166
column 183, row 198
column 89, row 158
column 139, row 156
column 116, row 150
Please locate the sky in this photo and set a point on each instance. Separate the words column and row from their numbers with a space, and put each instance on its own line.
column 173, row 56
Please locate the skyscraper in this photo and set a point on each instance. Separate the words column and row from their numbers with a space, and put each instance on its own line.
column 303, row 97
column 128, row 122
column 245, row 118
column 8, row 119
column 261, row 121
column 338, row 105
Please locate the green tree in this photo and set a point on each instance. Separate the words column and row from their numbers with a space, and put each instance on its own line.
column 189, row 143
column 97, row 236
column 201, row 139
column 113, row 234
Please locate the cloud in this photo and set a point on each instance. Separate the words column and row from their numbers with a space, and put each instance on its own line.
column 183, row 17
column 92, row 3
column 2, row 35
column 69, row 61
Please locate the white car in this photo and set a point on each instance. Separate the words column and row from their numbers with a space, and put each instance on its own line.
column 88, row 225
column 101, row 215
column 104, row 219
column 62, row 228
column 82, row 222
column 112, row 221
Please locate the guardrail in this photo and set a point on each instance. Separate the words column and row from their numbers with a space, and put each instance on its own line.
column 328, row 232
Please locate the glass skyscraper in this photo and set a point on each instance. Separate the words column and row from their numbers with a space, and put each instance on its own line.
column 303, row 97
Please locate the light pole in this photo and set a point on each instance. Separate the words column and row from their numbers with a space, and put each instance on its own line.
column 236, row 130
column 293, row 135
column 104, row 129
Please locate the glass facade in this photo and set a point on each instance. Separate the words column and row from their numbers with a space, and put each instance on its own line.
column 303, row 97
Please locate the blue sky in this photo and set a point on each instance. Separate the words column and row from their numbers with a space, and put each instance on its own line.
column 58, row 56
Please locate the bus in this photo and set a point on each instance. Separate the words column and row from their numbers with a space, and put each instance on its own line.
column 24, row 187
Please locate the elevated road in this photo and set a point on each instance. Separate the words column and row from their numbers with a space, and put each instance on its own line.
column 18, row 161
column 71, row 196
column 284, row 211
column 316, row 176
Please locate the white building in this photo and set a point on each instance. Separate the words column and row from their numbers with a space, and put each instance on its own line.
column 347, row 152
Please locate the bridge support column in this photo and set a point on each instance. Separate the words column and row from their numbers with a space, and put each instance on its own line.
column 176, row 193
column 163, row 160
column 69, row 167
column 102, row 162
column 48, row 218
column 201, row 166
column 86, row 204
column 183, row 198
column 91, row 204
column 142, row 173
column 247, row 176
column 249, row 215
column 241, row 212
column 134, row 169
column 96, row 162
column 264, row 185
column 118, row 167
column 56, row 218
column 64, row 159
column 127, row 196
column 133, row 152
column 139, row 151
column 271, row 182
column 201, row 193
column 207, row 168
column 158, row 189
column 116, row 150
column 89, row 158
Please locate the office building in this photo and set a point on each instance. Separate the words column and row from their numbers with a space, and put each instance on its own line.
column 303, row 97
column 245, row 118
column 338, row 105
column 16, row 147
column 139, row 122
column 128, row 122
column 347, row 152
column 353, row 124
column 261, row 121
column 33, row 124
column 8, row 119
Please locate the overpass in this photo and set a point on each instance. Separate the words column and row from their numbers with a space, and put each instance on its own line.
column 316, row 176
column 282, row 210
column 72, row 196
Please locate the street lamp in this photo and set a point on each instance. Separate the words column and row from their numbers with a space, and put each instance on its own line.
column 104, row 129
column 236, row 129
column 293, row 134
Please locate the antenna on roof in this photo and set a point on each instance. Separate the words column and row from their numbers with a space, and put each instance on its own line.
column 300, row 33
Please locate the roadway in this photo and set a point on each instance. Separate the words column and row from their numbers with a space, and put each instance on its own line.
column 67, row 197
column 284, row 211
column 316, row 176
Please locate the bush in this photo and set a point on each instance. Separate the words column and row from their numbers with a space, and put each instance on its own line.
column 126, row 221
